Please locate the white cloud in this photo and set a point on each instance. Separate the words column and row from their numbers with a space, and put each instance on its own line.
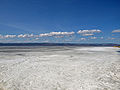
column 45, row 35
column 9, row 36
column 56, row 34
column 82, row 38
column 89, row 31
column 93, row 37
column 90, row 34
column 25, row 35
column 116, row 31
column 36, row 38
column 1, row 36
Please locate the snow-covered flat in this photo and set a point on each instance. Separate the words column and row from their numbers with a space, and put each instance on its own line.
column 59, row 68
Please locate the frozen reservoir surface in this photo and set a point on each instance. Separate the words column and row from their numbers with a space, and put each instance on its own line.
column 59, row 68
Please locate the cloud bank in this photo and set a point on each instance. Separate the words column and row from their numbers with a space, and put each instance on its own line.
column 90, row 34
column 25, row 36
column 85, row 35
column 116, row 31
column 57, row 34
column 89, row 31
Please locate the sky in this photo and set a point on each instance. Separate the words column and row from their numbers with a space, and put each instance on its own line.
column 59, row 21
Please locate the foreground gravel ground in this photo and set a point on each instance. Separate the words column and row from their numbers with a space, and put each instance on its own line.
column 60, row 68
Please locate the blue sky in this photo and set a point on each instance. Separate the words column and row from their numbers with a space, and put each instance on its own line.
column 45, row 16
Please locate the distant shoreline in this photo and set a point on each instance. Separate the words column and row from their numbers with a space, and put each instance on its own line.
column 57, row 44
